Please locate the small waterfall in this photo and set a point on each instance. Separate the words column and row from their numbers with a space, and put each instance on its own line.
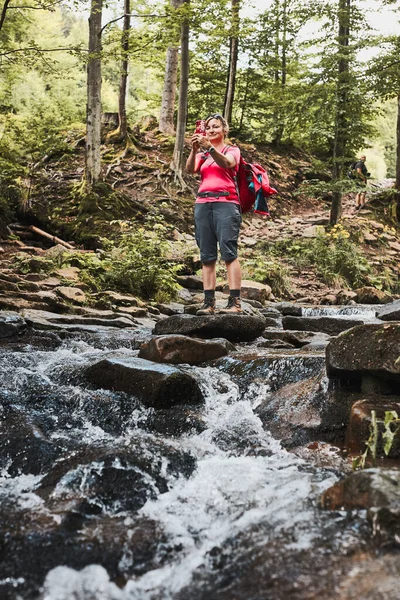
column 364, row 312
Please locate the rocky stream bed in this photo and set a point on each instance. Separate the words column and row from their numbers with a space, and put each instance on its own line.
column 174, row 457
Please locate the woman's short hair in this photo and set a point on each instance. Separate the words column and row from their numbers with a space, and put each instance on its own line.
column 220, row 118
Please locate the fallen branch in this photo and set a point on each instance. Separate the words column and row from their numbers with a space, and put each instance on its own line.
column 53, row 238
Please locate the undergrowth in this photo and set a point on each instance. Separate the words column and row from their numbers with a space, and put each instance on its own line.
column 136, row 264
column 338, row 261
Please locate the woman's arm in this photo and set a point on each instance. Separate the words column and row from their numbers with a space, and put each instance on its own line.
column 227, row 161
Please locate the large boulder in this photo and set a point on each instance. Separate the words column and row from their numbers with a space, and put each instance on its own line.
column 159, row 386
column 177, row 349
column 324, row 324
column 390, row 312
column 235, row 328
column 377, row 491
column 11, row 323
column 366, row 350
column 300, row 412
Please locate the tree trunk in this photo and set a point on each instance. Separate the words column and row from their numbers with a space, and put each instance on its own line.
column 397, row 184
column 341, row 124
column 233, row 58
column 123, row 82
column 281, row 68
column 170, row 80
column 93, row 108
column 177, row 158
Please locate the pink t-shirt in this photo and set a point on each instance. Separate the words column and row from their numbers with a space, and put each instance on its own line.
column 218, row 179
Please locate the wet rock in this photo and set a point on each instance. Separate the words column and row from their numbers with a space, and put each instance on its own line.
column 377, row 491
column 156, row 385
column 359, row 427
column 298, row 339
column 235, row 328
column 122, row 548
column 270, row 371
column 371, row 295
column 286, row 308
column 181, row 420
column 11, row 324
column 103, row 480
column 324, row 324
column 24, row 448
column 390, row 312
column 177, row 349
column 306, row 410
column 366, row 350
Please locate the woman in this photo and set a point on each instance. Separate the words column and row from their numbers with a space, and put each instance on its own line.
column 217, row 212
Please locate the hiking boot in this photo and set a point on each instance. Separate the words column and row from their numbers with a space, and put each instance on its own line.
column 234, row 306
column 208, row 307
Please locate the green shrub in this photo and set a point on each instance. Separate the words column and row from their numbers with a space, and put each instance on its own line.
column 337, row 260
column 268, row 270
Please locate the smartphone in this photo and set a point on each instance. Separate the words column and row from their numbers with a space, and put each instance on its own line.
column 200, row 127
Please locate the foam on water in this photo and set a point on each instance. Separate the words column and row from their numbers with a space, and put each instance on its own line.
column 243, row 478
column 229, row 492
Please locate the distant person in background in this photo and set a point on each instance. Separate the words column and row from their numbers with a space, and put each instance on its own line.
column 361, row 181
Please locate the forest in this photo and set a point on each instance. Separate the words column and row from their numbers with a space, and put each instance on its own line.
column 313, row 75
column 150, row 450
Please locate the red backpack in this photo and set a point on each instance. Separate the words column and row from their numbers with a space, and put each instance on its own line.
column 253, row 187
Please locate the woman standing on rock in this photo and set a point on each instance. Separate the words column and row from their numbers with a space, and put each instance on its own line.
column 217, row 213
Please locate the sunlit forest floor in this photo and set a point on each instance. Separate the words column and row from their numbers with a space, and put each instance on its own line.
column 296, row 252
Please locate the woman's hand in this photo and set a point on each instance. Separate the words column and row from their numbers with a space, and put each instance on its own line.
column 200, row 142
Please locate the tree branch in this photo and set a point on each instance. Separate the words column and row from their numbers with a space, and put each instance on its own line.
column 134, row 16
column 3, row 12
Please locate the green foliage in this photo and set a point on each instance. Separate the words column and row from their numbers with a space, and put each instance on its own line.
column 137, row 264
column 384, row 431
column 337, row 260
column 267, row 269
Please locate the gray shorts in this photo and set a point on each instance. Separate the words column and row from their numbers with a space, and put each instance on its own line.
column 217, row 223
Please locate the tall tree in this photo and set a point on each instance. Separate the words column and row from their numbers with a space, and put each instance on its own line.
column 170, row 81
column 123, row 81
column 93, row 107
column 341, row 111
column 233, row 59
column 177, row 158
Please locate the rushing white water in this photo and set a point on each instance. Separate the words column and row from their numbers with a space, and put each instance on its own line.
column 243, row 476
column 361, row 311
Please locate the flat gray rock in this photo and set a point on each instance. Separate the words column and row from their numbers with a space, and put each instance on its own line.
column 371, row 349
column 330, row 325
column 390, row 312
column 235, row 328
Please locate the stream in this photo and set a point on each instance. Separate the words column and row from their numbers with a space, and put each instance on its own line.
column 97, row 503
